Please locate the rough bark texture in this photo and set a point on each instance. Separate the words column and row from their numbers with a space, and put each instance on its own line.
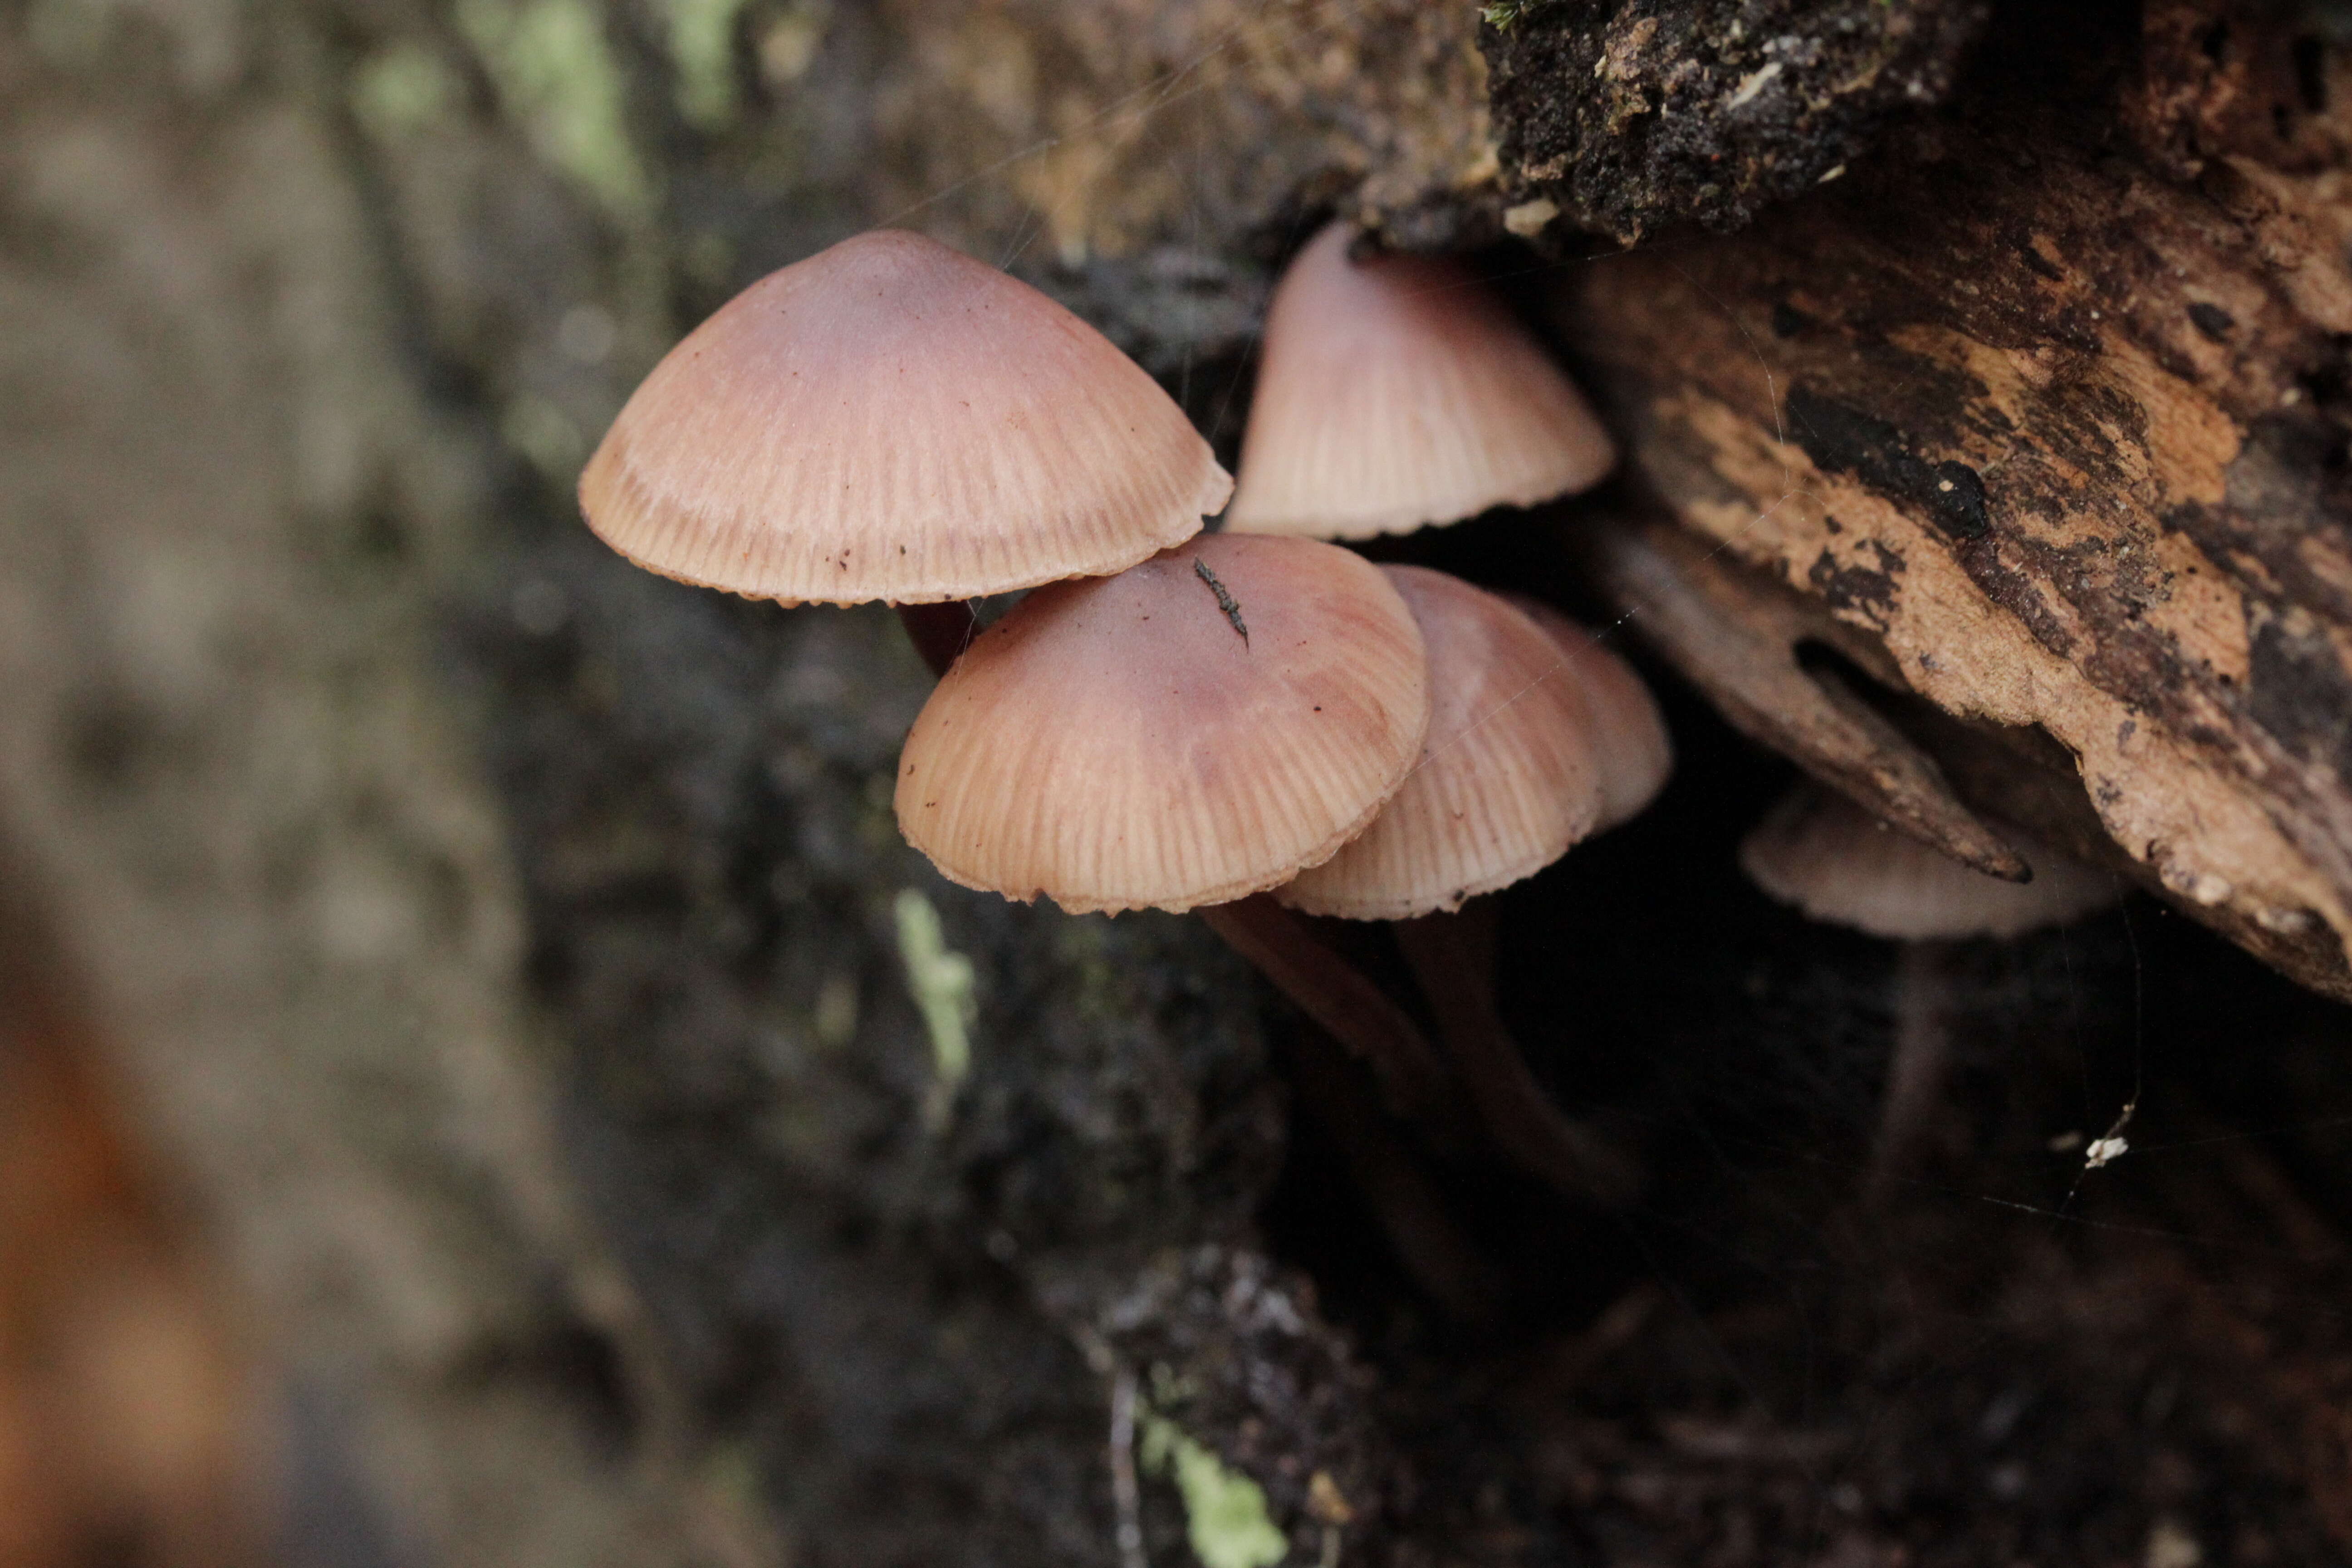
column 1636, row 115
column 2056, row 412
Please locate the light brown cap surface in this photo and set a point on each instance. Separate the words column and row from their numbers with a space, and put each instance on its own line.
column 1818, row 851
column 1115, row 743
column 1507, row 781
column 1402, row 392
column 1629, row 735
column 890, row 419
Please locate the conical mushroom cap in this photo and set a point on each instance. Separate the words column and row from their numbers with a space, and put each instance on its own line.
column 1116, row 743
column 1818, row 851
column 1629, row 735
column 1507, row 781
column 1398, row 392
column 890, row 419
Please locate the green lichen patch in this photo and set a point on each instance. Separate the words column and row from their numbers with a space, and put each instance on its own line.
column 402, row 90
column 1224, row 1511
column 1505, row 15
column 941, row 981
column 702, row 56
column 556, row 79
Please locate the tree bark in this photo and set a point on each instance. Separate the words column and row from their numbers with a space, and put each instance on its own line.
column 2054, row 409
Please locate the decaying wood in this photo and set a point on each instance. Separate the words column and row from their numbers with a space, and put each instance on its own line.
column 1147, row 160
column 1634, row 115
column 1736, row 635
column 2059, row 417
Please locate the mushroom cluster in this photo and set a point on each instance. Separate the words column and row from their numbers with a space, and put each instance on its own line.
column 1173, row 722
column 1257, row 724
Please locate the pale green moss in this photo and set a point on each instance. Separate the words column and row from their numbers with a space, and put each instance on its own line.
column 558, row 80
column 1225, row 1517
column 71, row 34
column 545, row 435
column 702, row 53
column 789, row 44
column 941, row 981
column 400, row 91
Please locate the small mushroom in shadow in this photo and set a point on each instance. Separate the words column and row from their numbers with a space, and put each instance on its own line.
column 1838, row 864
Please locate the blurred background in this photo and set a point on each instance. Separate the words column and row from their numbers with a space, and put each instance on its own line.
column 460, row 1083
column 308, row 314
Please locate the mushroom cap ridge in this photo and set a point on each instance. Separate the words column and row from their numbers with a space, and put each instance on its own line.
column 1398, row 392
column 1630, row 739
column 1116, row 743
column 1507, row 779
column 890, row 419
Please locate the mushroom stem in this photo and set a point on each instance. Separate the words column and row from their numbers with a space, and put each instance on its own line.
column 941, row 631
column 1333, row 993
column 1920, row 1064
column 1449, row 1267
column 1575, row 1161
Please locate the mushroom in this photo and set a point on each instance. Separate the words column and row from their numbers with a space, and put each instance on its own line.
column 1510, row 777
column 1392, row 392
column 1507, row 778
column 1195, row 729
column 890, row 419
column 1399, row 391
column 1835, row 861
column 1629, row 742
